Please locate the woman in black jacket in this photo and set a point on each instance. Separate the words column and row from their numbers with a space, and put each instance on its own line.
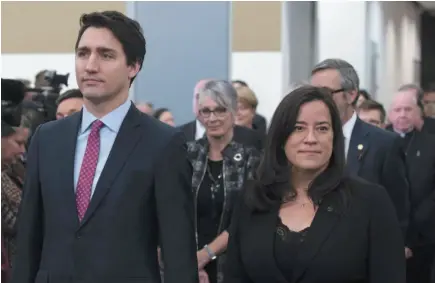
column 301, row 219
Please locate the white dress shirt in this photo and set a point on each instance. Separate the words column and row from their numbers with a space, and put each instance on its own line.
column 200, row 130
column 112, row 124
column 347, row 132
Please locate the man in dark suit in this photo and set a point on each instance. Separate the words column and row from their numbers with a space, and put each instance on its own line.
column 100, row 194
column 419, row 148
column 195, row 130
column 422, row 122
column 372, row 153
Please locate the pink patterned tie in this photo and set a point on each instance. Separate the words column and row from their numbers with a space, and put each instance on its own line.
column 87, row 171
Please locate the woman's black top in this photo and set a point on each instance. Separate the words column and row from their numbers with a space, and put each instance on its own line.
column 286, row 248
column 210, row 206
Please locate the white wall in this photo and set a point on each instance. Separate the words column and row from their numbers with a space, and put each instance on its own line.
column 263, row 73
column 26, row 66
column 342, row 33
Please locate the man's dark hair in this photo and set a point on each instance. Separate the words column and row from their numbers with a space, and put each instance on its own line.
column 126, row 30
column 273, row 178
column 373, row 105
column 240, row 82
column 365, row 94
column 72, row 93
column 159, row 112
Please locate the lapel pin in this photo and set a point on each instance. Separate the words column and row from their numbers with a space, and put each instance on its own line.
column 238, row 157
column 360, row 151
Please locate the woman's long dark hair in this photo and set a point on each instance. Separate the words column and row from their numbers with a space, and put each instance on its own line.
column 273, row 178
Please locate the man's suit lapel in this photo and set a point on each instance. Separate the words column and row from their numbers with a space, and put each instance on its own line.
column 358, row 147
column 189, row 130
column 126, row 140
column 68, row 152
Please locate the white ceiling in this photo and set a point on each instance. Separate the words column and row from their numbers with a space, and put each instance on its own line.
column 430, row 5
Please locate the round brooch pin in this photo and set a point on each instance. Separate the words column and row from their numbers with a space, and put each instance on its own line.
column 238, row 157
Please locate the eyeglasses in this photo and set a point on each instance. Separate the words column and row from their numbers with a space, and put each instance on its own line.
column 219, row 112
column 337, row 90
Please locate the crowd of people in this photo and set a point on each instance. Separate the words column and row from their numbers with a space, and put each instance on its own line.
column 335, row 188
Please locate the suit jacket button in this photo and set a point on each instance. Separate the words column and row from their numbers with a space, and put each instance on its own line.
column 330, row 209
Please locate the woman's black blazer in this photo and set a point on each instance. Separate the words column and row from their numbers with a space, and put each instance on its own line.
column 358, row 240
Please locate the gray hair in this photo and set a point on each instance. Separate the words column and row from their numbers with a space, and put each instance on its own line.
column 419, row 91
column 222, row 92
column 348, row 74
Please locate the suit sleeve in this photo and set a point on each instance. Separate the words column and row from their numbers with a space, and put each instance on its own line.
column 395, row 181
column 175, row 212
column 425, row 212
column 30, row 220
column 234, row 270
column 387, row 262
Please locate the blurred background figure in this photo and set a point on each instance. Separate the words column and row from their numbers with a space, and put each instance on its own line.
column 259, row 122
column 146, row 107
column 363, row 96
column 421, row 121
column 419, row 149
column 69, row 103
column 246, row 104
column 165, row 116
column 372, row 112
column 429, row 102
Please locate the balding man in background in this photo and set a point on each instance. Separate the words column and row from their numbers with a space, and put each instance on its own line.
column 419, row 148
column 422, row 121
column 194, row 130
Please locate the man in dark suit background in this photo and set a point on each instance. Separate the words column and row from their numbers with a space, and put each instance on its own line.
column 422, row 121
column 372, row 153
column 100, row 194
column 195, row 130
column 419, row 148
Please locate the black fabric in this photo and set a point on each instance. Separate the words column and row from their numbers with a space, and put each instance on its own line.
column 287, row 245
column 357, row 240
column 210, row 207
column 377, row 156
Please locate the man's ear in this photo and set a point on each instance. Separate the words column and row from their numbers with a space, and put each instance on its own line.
column 352, row 97
column 133, row 70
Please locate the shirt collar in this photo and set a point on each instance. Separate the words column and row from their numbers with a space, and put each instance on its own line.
column 348, row 126
column 112, row 120
column 199, row 125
